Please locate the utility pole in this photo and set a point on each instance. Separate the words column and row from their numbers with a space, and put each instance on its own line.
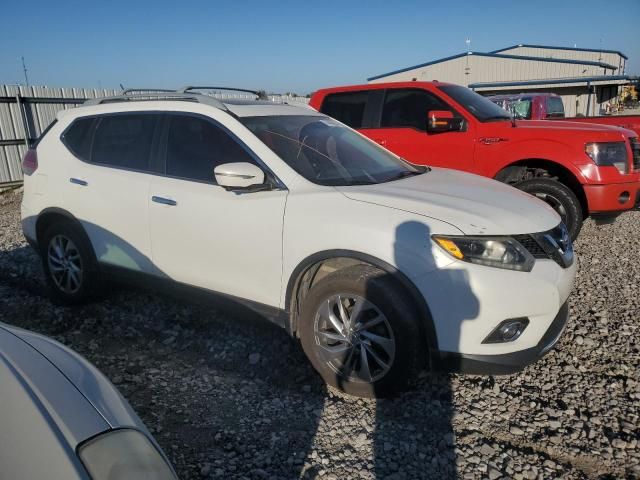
column 24, row 69
column 467, row 68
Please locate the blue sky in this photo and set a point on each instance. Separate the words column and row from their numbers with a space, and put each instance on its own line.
column 285, row 46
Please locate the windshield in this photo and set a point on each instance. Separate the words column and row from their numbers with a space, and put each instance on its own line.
column 326, row 152
column 480, row 107
column 520, row 108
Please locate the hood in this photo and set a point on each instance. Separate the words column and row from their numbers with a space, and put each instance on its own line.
column 474, row 204
column 562, row 125
column 43, row 416
column 87, row 379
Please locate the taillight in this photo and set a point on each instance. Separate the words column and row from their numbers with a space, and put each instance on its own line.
column 30, row 162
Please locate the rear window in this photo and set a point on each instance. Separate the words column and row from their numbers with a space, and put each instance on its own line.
column 124, row 141
column 346, row 107
column 555, row 107
column 77, row 138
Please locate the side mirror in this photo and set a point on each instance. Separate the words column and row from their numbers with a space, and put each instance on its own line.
column 239, row 176
column 443, row 121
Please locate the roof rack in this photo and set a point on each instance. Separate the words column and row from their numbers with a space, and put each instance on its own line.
column 188, row 89
column 129, row 91
column 150, row 94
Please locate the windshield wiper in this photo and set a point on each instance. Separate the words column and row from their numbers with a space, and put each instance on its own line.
column 406, row 173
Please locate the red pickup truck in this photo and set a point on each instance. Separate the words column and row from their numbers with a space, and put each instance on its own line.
column 549, row 106
column 580, row 170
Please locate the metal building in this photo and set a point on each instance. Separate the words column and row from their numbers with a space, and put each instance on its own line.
column 585, row 78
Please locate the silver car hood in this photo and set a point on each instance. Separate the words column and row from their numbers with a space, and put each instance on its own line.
column 87, row 379
column 475, row 205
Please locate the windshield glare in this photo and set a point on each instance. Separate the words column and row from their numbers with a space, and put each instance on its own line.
column 480, row 107
column 326, row 152
column 520, row 108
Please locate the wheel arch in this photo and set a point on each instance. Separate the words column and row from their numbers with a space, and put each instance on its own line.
column 530, row 168
column 48, row 216
column 303, row 277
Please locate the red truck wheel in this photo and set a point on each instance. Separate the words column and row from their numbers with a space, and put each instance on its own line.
column 560, row 198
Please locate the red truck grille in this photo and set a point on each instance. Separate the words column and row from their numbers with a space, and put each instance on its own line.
column 635, row 149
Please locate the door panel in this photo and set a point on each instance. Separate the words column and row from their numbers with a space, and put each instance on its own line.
column 110, row 198
column 402, row 128
column 449, row 150
column 217, row 239
column 201, row 233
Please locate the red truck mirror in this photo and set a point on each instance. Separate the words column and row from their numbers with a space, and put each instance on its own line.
column 442, row 121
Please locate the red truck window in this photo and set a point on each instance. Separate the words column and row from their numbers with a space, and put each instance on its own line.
column 408, row 107
column 347, row 107
column 555, row 108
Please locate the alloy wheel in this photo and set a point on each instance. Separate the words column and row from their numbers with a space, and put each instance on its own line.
column 554, row 203
column 65, row 264
column 354, row 338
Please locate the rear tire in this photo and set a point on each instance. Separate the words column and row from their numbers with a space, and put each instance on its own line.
column 69, row 263
column 384, row 328
column 560, row 197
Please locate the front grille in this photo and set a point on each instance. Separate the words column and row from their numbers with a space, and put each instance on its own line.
column 635, row 149
column 532, row 246
column 553, row 244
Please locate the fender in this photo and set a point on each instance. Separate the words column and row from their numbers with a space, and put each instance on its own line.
column 426, row 324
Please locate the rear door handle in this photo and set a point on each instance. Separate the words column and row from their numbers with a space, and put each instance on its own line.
column 78, row 181
column 164, row 201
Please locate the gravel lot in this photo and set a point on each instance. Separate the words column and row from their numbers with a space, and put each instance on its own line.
column 233, row 397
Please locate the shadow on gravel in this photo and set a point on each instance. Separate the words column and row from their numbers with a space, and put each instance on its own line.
column 397, row 432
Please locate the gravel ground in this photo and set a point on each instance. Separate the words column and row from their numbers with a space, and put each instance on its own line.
column 229, row 396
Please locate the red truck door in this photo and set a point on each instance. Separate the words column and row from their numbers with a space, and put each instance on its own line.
column 402, row 128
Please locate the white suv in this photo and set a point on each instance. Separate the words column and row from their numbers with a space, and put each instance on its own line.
column 378, row 266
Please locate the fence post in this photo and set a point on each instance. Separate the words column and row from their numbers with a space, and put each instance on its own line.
column 26, row 124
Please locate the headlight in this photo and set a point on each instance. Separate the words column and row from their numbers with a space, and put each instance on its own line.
column 609, row 154
column 500, row 252
column 124, row 455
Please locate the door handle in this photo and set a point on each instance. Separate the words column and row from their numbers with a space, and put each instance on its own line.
column 381, row 142
column 164, row 201
column 77, row 181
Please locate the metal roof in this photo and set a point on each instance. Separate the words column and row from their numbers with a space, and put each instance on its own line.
column 574, row 49
column 496, row 55
column 550, row 81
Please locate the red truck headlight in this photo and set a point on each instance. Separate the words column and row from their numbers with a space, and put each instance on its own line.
column 609, row 154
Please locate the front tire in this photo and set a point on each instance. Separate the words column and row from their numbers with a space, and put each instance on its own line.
column 560, row 197
column 358, row 328
column 69, row 263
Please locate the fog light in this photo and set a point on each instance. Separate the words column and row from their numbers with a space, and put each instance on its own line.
column 507, row 331
column 624, row 197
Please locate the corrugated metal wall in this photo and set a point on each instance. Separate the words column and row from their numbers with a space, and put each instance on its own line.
column 477, row 68
column 26, row 111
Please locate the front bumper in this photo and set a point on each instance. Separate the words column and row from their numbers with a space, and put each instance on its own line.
column 503, row 364
column 606, row 198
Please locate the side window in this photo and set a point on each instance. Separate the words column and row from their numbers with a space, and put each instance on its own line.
column 409, row 107
column 555, row 107
column 77, row 138
column 195, row 147
column 347, row 107
column 124, row 141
